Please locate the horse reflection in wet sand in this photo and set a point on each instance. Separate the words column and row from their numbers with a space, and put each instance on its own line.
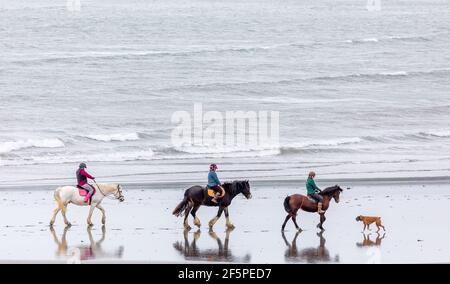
column 93, row 250
column 367, row 242
column 222, row 254
column 309, row 255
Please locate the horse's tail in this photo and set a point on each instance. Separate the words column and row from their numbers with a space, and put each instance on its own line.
column 179, row 210
column 287, row 207
column 58, row 198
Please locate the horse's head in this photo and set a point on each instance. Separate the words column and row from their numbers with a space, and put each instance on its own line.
column 236, row 187
column 332, row 192
column 118, row 193
column 245, row 189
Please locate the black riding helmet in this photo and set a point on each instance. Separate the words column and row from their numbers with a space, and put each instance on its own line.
column 83, row 166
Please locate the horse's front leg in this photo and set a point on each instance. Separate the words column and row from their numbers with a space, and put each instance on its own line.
column 214, row 220
column 322, row 220
column 103, row 213
column 89, row 218
column 227, row 215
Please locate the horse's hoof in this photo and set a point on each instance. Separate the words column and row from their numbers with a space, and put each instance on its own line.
column 103, row 222
column 68, row 225
column 90, row 225
column 187, row 227
column 230, row 226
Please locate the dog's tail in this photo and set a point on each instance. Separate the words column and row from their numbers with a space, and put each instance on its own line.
column 287, row 207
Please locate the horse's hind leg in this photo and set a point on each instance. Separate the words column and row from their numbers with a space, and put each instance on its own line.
column 55, row 212
column 63, row 212
column 186, row 215
column 294, row 219
column 196, row 219
column 285, row 221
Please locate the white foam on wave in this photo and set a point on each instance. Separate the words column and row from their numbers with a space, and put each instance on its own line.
column 207, row 150
column 68, row 158
column 438, row 133
column 363, row 40
column 330, row 142
column 395, row 73
column 6, row 147
column 114, row 137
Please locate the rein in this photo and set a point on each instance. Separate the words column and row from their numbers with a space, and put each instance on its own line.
column 104, row 195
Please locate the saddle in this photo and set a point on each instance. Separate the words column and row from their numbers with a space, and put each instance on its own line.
column 211, row 192
column 83, row 192
column 311, row 199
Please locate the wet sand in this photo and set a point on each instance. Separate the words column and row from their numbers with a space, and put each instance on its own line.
column 142, row 228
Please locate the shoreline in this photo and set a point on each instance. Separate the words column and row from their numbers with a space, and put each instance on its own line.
column 345, row 182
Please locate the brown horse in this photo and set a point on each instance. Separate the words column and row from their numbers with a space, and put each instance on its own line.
column 294, row 202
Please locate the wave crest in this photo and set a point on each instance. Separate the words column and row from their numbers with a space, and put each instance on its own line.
column 114, row 137
column 10, row 146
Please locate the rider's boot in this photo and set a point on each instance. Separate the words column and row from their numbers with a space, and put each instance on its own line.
column 216, row 198
column 87, row 197
column 319, row 208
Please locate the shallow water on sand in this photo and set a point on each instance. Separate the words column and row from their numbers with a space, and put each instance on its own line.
column 142, row 229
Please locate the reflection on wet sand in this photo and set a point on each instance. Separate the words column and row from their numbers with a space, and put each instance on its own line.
column 93, row 250
column 191, row 251
column 367, row 242
column 309, row 255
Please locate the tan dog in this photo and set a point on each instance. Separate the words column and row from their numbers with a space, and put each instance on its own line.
column 367, row 220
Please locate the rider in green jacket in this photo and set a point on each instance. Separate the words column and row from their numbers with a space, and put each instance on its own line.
column 312, row 191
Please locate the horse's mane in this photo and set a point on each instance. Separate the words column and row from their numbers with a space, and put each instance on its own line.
column 231, row 187
column 330, row 190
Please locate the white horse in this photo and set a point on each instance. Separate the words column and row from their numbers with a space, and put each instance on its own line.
column 70, row 194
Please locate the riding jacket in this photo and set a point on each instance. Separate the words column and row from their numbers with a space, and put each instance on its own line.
column 311, row 186
column 213, row 180
column 82, row 177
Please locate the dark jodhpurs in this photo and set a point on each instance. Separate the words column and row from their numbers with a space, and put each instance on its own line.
column 216, row 189
column 316, row 197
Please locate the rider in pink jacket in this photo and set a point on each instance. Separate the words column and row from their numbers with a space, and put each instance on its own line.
column 82, row 178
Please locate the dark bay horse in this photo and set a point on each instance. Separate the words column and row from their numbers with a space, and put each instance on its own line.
column 197, row 195
column 294, row 202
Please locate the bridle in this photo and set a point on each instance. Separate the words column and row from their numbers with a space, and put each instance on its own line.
column 107, row 196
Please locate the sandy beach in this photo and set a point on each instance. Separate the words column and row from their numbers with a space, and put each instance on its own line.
column 142, row 229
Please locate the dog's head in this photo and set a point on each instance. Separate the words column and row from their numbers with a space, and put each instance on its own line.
column 359, row 218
